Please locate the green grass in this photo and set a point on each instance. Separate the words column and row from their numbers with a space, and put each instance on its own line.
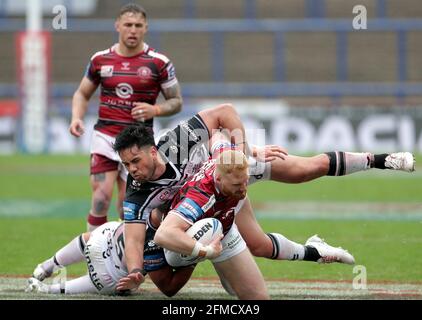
column 390, row 250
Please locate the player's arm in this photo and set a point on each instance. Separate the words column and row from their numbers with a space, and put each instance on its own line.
column 170, row 281
column 171, row 105
column 226, row 117
column 173, row 101
column 172, row 236
column 134, row 248
column 80, row 105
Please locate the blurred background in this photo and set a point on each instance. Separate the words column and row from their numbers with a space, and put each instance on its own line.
column 297, row 68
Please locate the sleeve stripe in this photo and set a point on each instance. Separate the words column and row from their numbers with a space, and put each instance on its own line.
column 181, row 216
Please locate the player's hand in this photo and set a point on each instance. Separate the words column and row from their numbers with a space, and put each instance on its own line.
column 143, row 111
column 131, row 281
column 77, row 127
column 269, row 153
column 216, row 246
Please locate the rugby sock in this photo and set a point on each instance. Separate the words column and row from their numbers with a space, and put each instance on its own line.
column 93, row 222
column 311, row 254
column 379, row 161
column 343, row 163
column 284, row 249
column 74, row 286
column 71, row 253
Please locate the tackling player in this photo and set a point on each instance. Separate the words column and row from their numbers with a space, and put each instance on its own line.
column 103, row 251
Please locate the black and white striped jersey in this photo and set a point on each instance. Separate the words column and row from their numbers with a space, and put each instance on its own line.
column 184, row 150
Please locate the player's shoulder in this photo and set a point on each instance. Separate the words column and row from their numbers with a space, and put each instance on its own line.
column 102, row 53
column 205, row 178
column 157, row 56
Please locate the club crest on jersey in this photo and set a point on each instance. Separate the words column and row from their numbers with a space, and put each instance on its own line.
column 124, row 90
column 144, row 72
column 106, row 71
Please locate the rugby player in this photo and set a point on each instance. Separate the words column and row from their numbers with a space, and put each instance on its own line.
column 103, row 252
column 131, row 75
column 157, row 171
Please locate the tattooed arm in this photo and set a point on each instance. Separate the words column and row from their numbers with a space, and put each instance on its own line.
column 172, row 105
column 173, row 102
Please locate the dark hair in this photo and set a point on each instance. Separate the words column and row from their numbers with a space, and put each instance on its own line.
column 132, row 8
column 135, row 135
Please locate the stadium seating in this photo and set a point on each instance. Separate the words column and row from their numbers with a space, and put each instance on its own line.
column 249, row 54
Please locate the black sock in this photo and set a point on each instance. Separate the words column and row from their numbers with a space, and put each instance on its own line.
column 379, row 161
column 311, row 254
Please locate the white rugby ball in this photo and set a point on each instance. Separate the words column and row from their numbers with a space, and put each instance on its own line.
column 204, row 231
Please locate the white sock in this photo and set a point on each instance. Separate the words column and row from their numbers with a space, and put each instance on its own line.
column 285, row 249
column 356, row 162
column 75, row 286
column 343, row 163
column 71, row 253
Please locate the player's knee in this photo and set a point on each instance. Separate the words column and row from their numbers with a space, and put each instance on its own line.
column 258, row 249
column 101, row 202
column 254, row 295
column 169, row 293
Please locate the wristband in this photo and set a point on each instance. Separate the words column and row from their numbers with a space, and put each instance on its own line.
column 197, row 249
column 141, row 271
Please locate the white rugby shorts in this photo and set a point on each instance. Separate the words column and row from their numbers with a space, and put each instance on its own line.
column 102, row 269
column 233, row 244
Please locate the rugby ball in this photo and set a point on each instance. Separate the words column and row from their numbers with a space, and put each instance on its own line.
column 204, row 231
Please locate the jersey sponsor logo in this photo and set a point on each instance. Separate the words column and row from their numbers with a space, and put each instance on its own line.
column 190, row 209
column 136, row 185
column 106, row 71
column 125, row 66
column 130, row 211
column 209, row 204
column 144, row 72
column 124, row 90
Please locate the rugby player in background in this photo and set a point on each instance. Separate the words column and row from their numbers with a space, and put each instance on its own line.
column 131, row 75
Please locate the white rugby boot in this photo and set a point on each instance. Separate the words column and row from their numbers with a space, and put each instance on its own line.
column 34, row 285
column 40, row 274
column 403, row 161
column 328, row 253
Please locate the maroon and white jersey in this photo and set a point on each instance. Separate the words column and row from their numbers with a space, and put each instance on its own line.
column 199, row 198
column 126, row 80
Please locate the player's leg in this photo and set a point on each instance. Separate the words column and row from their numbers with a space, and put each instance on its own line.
column 295, row 169
column 121, row 191
column 71, row 253
column 276, row 246
column 104, row 173
column 75, row 286
column 102, row 269
column 243, row 276
column 237, row 269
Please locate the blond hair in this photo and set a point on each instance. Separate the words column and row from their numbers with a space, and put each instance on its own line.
column 231, row 161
